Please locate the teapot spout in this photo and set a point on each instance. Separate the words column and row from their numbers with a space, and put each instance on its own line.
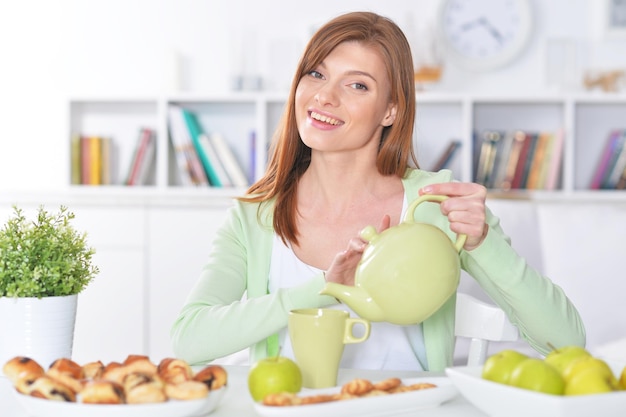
column 357, row 299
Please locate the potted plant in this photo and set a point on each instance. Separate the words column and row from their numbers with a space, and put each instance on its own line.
column 44, row 264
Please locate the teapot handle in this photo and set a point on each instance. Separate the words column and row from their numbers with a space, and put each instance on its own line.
column 408, row 217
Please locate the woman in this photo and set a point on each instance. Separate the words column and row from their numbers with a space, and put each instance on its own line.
column 341, row 161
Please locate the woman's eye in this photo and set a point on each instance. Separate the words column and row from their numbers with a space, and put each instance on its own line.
column 315, row 74
column 358, row 86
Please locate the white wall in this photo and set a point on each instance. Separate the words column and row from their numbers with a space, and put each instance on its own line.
column 54, row 49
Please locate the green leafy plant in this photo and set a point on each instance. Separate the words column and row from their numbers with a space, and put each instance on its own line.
column 44, row 258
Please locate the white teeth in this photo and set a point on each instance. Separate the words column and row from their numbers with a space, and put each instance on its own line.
column 324, row 119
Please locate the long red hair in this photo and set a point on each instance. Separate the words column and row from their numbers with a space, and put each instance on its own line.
column 290, row 157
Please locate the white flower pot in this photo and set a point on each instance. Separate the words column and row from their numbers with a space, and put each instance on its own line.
column 42, row 329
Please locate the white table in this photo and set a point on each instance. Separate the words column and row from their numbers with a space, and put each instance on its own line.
column 238, row 403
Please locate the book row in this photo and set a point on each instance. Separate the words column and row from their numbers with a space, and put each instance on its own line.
column 93, row 159
column 610, row 172
column 202, row 158
column 518, row 159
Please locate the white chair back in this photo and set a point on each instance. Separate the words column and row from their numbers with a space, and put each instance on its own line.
column 482, row 323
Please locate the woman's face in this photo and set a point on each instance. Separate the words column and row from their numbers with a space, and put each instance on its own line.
column 343, row 104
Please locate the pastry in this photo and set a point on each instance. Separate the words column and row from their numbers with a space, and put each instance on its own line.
column 421, row 385
column 102, row 392
column 141, row 364
column 214, row 376
column 68, row 373
column 174, row 371
column 68, row 367
column 388, row 384
column 317, row 399
column 93, row 370
column 115, row 372
column 357, row 387
column 281, row 399
column 137, row 378
column 146, row 393
column 51, row 389
column 25, row 382
column 143, row 388
column 20, row 365
column 187, row 390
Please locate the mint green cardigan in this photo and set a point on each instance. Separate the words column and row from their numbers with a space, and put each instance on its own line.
column 229, row 309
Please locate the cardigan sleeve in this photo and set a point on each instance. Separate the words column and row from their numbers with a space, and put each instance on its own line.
column 544, row 315
column 229, row 308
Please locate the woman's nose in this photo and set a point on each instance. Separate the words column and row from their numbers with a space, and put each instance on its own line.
column 327, row 95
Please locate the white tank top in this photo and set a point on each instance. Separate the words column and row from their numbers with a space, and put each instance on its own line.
column 389, row 346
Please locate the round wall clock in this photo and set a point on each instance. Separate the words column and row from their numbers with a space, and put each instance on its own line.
column 484, row 34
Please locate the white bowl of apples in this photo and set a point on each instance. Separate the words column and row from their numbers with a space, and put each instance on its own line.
column 569, row 382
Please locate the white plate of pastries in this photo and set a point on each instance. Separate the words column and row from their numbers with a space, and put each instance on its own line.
column 361, row 398
column 133, row 388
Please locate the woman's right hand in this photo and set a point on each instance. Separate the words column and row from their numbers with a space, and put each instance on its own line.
column 343, row 267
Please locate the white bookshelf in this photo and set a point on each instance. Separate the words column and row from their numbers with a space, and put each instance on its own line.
column 585, row 119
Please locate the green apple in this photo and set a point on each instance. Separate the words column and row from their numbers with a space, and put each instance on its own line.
column 537, row 375
column 273, row 375
column 588, row 363
column 591, row 381
column 498, row 367
column 622, row 379
column 560, row 358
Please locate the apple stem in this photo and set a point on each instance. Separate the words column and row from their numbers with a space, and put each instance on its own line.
column 278, row 353
column 551, row 346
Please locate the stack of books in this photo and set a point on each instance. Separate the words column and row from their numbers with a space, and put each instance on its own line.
column 91, row 160
column 202, row 158
column 143, row 158
column 610, row 172
column 508, row 160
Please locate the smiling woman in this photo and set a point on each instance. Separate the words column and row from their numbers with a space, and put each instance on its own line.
column 341, row 160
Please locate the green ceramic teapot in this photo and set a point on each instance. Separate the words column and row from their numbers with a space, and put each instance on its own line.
column 407, row 272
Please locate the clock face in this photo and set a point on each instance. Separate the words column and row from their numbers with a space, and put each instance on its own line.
column 484, row 34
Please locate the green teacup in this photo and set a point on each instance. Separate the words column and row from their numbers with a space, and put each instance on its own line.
column 318, row 336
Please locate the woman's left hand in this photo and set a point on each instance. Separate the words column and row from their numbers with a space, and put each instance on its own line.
column 465, row 209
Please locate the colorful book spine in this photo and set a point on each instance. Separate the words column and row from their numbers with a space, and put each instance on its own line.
column 521, row 162
column 556, row 157
column 486, row 160
column 446, row 157
column 228, row 159
column 183, row 149
column 616, row 164
column 194, row 133
column 140, row 156
column 519, row 139
column 605, row 158
column 538, row 161
column 148, row 160
column 85, row 160
column 95, row 161
column 502, row 160
column 75, row 159
column 105, row 160
column 211, row 153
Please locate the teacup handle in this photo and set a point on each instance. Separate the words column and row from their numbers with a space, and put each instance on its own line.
column 349, row 337
column 410, row 213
